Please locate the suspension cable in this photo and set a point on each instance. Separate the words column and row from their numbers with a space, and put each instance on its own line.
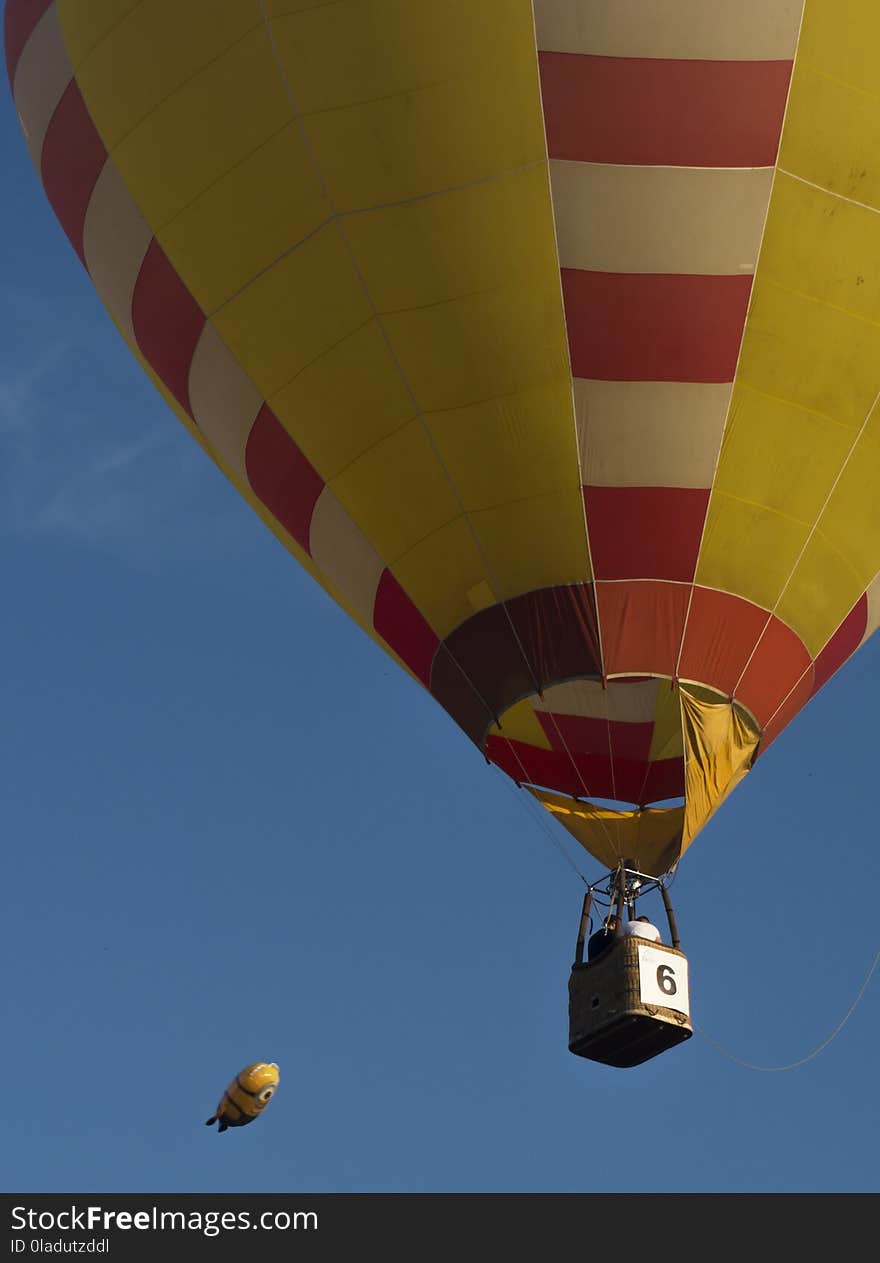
column 793, row 1065
column 553, row 834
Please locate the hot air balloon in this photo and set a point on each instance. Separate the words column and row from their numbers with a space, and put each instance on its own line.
column 545, row 336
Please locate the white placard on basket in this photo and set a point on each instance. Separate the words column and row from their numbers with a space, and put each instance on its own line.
column 663, row 979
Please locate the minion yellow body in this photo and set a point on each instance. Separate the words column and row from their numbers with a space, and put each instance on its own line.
column 247, row 1096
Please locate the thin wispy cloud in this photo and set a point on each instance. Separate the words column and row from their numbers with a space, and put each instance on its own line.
column 97, row 499
column 90, row 454
column 20, row 386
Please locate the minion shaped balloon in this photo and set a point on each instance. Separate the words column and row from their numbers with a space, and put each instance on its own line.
column 247, row 1096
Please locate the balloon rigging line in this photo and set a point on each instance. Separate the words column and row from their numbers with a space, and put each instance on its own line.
column 552, row 834
column 813, row 529
column 793, row 1065
column 380, row 325
column 811, row 664
column 587, row 794
column 821, row 188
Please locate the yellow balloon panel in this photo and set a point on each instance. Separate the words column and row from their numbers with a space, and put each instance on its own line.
column 512, row 447
column 143, row 57
column 807, row 353
column 389, row 92
column 482, row 346
column 822, row 584
column 843, row 556
column 780, row 455
column 265, row 206
column 398, row 491
column 86, row 25
column 489, row 237
column 823, row 247
column 841, row 39
column 521, row 724
column 749, row 549
column 822, row 110
column 445, row 575
column 298, row 310
column 535, row 543
column 206, row 127
column 666, row 742
column 851, row 520
column 345, row 401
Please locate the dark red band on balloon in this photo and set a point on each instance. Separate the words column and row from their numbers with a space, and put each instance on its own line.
column 281, row 477
column 588, row 734
column 513, row 650
column 663, row 112
column 665, row 779
column 72, row 159
column 635, row 781
column 167, row 322
column 645, row 532
column 632, row 326
column 533, row 766
column 642, row 622
column 843, row 643
column 19, row 21
column 399, row 623
column 589, row 775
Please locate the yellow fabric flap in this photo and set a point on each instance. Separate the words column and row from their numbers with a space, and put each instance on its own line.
column 651, row 837
column 720, row 743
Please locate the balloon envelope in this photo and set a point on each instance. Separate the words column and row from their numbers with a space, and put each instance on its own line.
column 547, row 338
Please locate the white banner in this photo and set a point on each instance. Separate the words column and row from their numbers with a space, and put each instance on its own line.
column 663, row 979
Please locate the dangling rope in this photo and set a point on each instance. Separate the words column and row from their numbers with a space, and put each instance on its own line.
column 815, row 1053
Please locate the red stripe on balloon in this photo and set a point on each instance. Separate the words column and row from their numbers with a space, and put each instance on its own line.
column 588, row 775
column 642, row 782
column 645, row 532
column 662, row 112
column 842, row 644
column 513, row 649
column 642, row 623
column 281, row 477
column 167, row 322
column 586, row 734
column 549, row 768
column 19, row 21
column 72, row 159
column 654, row 327
column 779, row 661
column 794, row 703
column 665, row 779
column 722, row 631
column 402, row 627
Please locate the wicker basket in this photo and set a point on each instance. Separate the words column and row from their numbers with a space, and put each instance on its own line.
column 608, row 1020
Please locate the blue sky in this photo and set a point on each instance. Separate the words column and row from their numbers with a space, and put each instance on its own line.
column 234, row 831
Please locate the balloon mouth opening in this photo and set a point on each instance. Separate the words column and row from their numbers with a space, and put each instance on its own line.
column 616, row 804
